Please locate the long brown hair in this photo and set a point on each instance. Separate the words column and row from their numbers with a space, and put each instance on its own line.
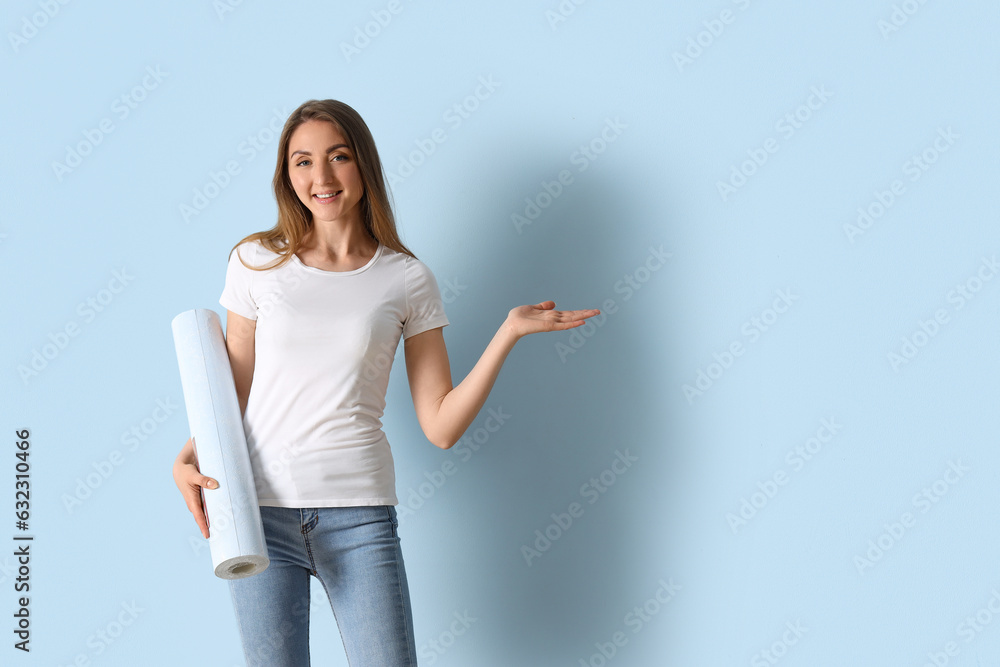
column 295, row 219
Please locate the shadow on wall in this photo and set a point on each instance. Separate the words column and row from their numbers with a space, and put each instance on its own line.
column 560, row 583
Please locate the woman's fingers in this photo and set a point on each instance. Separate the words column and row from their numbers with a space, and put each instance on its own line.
column 190, row 482
column 194, row 504
column 574, row 315
column 193, row 497
column 525, row 320
column 577, row 314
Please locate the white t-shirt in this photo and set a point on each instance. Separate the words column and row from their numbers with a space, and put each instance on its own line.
column 324, row 346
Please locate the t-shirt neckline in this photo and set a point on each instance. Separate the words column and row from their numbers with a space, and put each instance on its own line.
column 313, row 269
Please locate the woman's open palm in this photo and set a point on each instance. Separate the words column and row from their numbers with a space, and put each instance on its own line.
column 539, row 317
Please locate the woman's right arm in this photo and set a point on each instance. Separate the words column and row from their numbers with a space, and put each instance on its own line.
column 240, row 346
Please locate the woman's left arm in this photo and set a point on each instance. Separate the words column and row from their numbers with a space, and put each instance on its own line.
column 444, row 411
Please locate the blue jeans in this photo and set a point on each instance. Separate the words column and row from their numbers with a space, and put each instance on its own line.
column 355, row 553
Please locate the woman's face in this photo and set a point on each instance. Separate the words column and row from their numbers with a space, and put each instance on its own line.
column 319, row 163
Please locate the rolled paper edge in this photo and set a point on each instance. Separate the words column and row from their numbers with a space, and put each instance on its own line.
column 226, row 567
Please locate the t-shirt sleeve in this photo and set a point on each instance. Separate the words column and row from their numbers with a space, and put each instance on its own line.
column 424, row 307
column 237, row 295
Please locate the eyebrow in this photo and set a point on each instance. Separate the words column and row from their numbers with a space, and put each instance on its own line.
column 328, row 150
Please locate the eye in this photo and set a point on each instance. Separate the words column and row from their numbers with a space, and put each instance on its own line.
column 304, row 160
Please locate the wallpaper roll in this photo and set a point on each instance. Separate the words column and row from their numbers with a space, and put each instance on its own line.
column 236, row 533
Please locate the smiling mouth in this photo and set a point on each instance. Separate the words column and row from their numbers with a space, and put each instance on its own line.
column 327, row 196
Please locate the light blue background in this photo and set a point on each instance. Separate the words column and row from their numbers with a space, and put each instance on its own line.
column 133, row 542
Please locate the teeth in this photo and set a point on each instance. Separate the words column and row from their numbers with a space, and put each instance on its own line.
column 326, row 196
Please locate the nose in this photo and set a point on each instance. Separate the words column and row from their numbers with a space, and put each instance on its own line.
column 323, row 173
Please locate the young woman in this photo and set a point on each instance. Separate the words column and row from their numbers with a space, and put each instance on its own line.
column 315, row 310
